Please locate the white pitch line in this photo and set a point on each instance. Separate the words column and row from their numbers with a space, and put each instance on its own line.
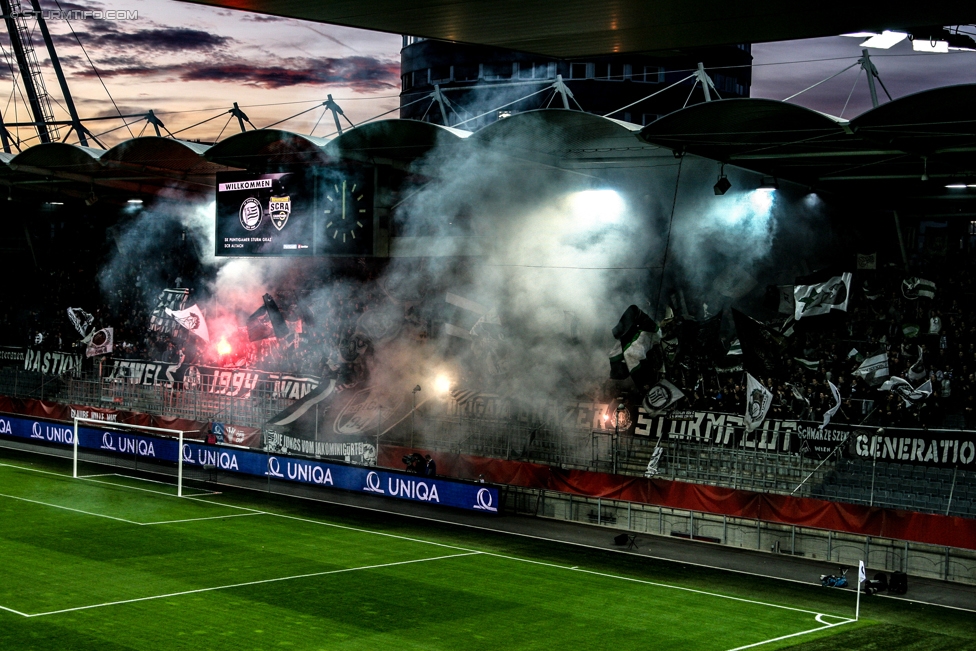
column 213, row 517
column 656, row 584
column 68, row 508
column 136, row 488
column 248, row 583
column 337, row 526
column 791, row 635
column 15, row 612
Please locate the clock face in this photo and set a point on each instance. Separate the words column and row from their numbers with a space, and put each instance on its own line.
column 346, row 212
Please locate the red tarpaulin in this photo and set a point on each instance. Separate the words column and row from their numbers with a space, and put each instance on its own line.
column 800, row 511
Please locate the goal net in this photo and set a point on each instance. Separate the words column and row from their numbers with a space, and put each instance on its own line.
column 133, row 450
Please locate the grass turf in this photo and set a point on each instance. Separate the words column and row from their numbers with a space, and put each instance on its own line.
column 310, row 576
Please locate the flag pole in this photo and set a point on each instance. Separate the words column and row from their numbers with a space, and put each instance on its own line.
column 860, row 574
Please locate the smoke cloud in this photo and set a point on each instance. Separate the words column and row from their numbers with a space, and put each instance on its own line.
column 552, row 255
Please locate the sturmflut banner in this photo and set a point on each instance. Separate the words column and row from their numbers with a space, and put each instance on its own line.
column 404, row 486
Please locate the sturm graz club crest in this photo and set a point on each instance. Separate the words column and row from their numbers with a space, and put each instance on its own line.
column 658, row 398
column 756, row 403
column 279, row 209
column 251, row 213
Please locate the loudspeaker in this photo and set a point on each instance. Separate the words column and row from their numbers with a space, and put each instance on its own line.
column 620, row 540
column 898, row 583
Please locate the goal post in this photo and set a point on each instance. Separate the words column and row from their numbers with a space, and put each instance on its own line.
column 160, row 432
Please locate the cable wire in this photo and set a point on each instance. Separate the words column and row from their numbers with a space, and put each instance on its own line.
column 101, row 81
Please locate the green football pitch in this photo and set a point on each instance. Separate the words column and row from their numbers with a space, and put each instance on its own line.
column 119, row 562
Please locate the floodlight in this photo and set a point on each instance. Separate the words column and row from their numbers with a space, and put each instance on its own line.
column 861, row 34
column 885, row 40
column 956, row 186
column 723, row 184
column 135, row 201
column 768, row 184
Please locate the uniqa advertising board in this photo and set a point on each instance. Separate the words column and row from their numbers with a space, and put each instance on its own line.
column 359, row 479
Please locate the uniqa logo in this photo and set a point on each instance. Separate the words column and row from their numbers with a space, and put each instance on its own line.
column 4, row 426
column 128, row 445
column 57, row 434
column 413, row 489
column 308, row 473
column 274, row 468
column 205, row 457
column 373, row 483
column 36, row 431
column 484, row 501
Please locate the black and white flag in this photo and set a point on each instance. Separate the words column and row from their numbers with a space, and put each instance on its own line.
column 874, row 370
column 821, row 298
column 636, row 333
column 758, row 399
column 867, row 260
column 81, row 320
column 904, row 389
column 102, row 342
column 833, row 410
column 192, row 319
column 652, row 465
column 917, row 370
column 661, row 396
column 914, row 288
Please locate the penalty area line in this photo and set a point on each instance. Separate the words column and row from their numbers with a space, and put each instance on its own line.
column 213, row 517
column 247, row 583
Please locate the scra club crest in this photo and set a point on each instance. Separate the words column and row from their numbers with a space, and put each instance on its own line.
column 279, row 209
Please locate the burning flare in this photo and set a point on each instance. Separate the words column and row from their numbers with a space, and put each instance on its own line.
column 223, row 348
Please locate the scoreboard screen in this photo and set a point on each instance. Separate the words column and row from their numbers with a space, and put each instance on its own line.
column 314, row 211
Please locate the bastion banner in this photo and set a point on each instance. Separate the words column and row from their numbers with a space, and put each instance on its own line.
column 48, row 362
column 445, row 492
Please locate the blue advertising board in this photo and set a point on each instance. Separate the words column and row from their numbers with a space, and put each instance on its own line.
column 360, row 479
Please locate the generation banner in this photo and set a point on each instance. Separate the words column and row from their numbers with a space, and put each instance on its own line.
column 940, row 448
column 404, row 486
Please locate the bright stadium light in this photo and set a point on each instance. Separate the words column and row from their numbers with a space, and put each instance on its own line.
column 442, row 384
column 934, row 47
column 593, row 207
column 885, row 40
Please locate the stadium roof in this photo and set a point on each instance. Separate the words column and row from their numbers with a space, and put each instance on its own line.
column 904, row 152
column 881, row 155
column 576, row 28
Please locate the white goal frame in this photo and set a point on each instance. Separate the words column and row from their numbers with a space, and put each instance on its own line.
column 145, row 428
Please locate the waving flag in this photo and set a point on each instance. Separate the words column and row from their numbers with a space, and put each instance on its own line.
column 821, row 298
column 833, row 410
column 758, row 399
column 636, row 333
column 192, row 319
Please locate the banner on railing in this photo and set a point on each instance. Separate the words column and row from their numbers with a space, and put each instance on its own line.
column 361, row 479
column 942, row 448
column 235, row 382
column 48, row 362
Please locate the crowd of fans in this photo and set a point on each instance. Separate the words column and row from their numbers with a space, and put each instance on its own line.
column 879, row 319
column 337, row 325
